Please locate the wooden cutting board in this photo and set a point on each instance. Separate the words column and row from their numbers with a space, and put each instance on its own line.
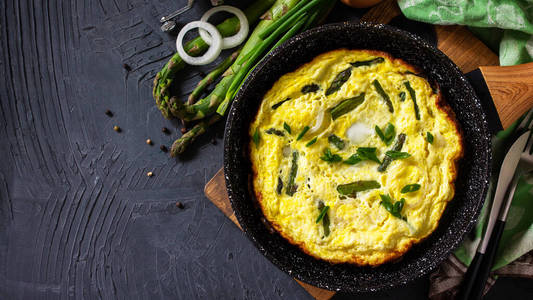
column 455, row 41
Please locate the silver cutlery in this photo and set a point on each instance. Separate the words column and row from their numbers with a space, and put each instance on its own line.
column 518, row 161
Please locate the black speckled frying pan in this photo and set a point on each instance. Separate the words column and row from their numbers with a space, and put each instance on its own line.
column 471, row 186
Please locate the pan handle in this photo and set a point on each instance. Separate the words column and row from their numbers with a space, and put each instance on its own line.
column 511, row 89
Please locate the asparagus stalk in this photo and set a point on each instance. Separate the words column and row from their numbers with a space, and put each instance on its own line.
column 207, row 106
column 258, row 53
column 296, row 21
column 197, row 46
column 223, row 106
column 181, row 144
column 301, row 7
column 211, row 77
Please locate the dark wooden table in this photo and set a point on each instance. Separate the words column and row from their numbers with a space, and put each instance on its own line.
column 79, row 218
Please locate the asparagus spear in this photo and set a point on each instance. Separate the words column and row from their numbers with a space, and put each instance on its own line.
column 257, row 53
column 412, row 93
column 285, row 37
column 321, row 11
column 291, row 187
column 339, row 80
column 205, row 106
column 400, row 140
column 181, row 144
column 369, row 62
column 383, row 94
column 350, row 189
column 347, row 105
column 209, row 104
column 197, row 46
column 212, row 76
column 293, row 14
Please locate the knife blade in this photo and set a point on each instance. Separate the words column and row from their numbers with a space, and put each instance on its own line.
column 504, row 179
column 479, row 269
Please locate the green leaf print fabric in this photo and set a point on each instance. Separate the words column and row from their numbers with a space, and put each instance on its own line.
column 509, row 20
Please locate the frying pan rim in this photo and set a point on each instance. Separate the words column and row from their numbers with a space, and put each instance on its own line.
column 227, row 148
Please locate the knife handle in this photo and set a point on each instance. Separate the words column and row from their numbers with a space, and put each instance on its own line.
column 479, row 270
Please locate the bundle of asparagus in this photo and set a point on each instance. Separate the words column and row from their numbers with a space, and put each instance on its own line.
column 284, row 19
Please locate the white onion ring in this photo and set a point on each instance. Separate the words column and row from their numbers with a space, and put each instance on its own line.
column 214, row 49
column 234, row 40
column 318, row 123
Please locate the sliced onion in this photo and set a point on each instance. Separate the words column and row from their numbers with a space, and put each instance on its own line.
column 318, row 123
column 234, row 40
column 212, row 53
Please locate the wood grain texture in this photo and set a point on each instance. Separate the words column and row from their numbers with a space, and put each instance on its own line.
column 511, row 89
column 457, row 42
column 463, row 48
column 216, row 191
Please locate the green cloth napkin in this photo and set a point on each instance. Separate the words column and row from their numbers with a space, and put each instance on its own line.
column 508, row 24
column 517, row 237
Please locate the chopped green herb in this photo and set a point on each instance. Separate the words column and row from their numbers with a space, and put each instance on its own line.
column 387, row 136
column 347, row 105
column 274, row 131
column 311, row 142
column 279, row 188
column 330, row 157
column 402, row 96
column 302, row 133
column 383, row 94
column 410, row 188
column 325, row 224
column 350, row 189
column 325, row 217
column 256, row 137
column 354, row 159
column 363, row 153
column 429, row 137
column 310, row 88
column 291, row 187
column 394, row 208
column 368, row 153
column 280, row 103
column 287, row 127
column 339, row 80
column 336, row 141
column 397, row 154
column 400, row 140
column 412, row 93
column 323, row 212
column 369, row 62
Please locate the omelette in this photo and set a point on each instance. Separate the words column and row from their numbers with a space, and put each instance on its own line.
column 354, row 156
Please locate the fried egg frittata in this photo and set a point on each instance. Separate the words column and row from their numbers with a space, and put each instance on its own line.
column 354, row 157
